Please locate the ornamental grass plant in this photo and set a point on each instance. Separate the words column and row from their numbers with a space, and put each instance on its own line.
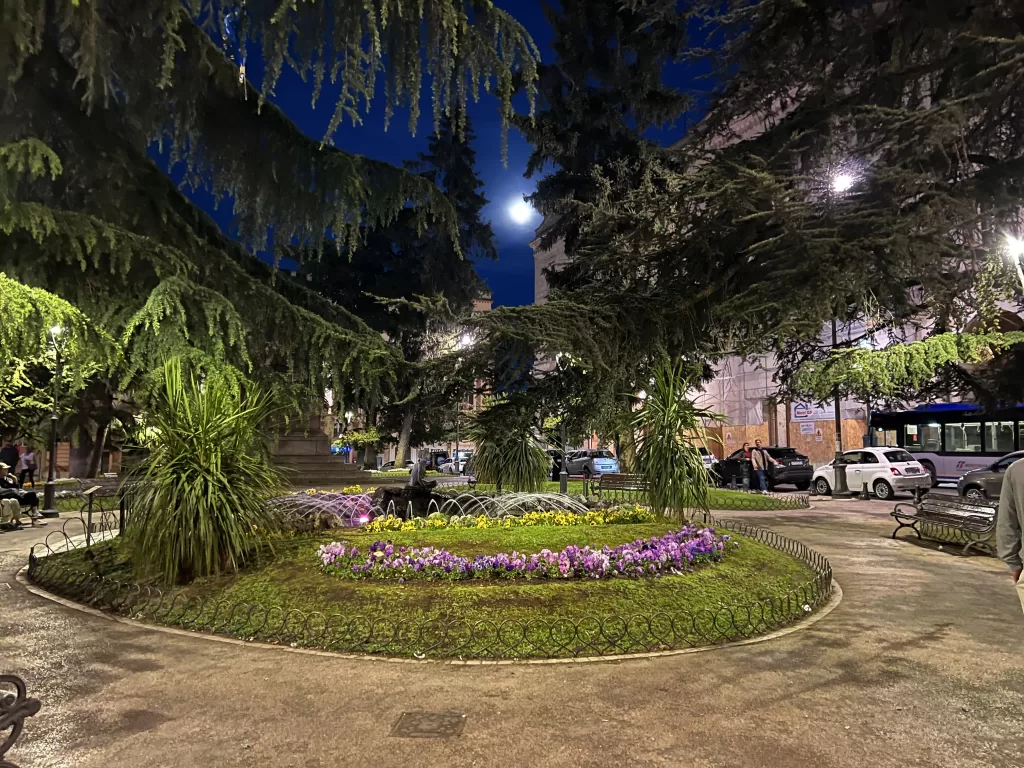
column 202, row 501
column 669, row 429
column 508, row 453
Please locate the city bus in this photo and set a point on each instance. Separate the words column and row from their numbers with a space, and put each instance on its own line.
column 950, row 439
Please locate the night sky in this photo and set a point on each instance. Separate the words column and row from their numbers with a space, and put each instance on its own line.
column 511, row 277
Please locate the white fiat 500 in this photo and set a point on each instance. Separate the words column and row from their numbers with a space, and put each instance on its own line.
column 885, row 470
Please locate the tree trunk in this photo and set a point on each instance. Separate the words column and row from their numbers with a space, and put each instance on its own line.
column 370, row 451
column 403, row 437
column 627, row 458
column 370, row 457
column 80, row 453
column 96, row 457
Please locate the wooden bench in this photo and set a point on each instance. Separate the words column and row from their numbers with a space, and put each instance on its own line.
column 621, row 486
column 972, row 521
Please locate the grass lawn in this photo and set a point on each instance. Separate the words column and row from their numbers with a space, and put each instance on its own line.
column 719, row 498
column 290, row 578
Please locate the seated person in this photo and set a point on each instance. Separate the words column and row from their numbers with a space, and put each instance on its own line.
column 10, row 490
column 416, row 478
column 10, row 513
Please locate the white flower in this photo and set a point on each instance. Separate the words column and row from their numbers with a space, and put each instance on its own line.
column 807, row 608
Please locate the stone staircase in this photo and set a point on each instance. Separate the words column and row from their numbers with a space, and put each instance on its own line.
column 307, row 462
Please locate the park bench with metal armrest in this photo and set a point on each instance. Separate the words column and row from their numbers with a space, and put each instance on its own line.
column 975, row 522
column 621, row 485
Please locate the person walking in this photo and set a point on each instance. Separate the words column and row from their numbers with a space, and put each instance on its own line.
column 760, row 459
column 1010, row 522
column 28, row 467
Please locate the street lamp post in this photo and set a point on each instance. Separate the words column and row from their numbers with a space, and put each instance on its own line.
column 563, row 476
column 458, row 414
column 50, row 488
column 838, row 467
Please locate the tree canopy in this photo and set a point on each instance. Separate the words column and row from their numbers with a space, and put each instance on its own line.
column 857, row 160
column 88, row 89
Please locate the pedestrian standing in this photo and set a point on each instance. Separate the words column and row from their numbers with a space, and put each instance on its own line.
column 9, row 454
column 1010, row 522
column 760, row 459
column 28, row 467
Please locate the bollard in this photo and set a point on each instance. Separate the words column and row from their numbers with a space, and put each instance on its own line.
column 88, row 524
column 864, row 495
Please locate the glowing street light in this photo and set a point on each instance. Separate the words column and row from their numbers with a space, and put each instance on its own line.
column 1015, row 249
column 1014, row 246
column 842, row 182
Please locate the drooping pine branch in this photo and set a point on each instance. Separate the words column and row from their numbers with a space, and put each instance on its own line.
column 899, row 369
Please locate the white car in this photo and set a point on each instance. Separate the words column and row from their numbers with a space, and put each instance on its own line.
column 885, row 470
column 706, row 457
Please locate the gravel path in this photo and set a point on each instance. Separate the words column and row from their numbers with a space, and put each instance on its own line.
column 922, row 664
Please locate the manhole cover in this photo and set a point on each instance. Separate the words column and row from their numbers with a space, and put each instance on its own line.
column 429, row 725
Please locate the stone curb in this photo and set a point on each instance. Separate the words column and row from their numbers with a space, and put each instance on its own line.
column 834, row 600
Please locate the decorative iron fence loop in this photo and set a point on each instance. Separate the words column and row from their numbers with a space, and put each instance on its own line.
column 15, row 707
column 455, row 637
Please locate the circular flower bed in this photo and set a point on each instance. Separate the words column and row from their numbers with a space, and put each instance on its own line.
column 673, row 553
column 467, row 592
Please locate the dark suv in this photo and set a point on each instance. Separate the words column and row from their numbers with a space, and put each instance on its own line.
column 793, row 468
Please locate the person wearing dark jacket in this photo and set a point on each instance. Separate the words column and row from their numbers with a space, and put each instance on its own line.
column 9, row 454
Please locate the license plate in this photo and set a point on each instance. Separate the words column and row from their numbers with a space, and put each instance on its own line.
column 912, row 470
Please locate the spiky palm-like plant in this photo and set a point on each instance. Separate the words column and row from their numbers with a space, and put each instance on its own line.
column 669, row 428
column 201, row 504
column 508, row 452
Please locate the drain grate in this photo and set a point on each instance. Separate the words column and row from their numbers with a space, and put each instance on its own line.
column 429, row 725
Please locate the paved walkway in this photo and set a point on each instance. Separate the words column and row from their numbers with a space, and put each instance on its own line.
column 922, row 664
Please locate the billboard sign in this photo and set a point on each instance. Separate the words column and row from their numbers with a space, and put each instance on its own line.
column 810, row 412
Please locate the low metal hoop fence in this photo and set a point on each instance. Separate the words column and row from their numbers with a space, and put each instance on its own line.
column 542, row 637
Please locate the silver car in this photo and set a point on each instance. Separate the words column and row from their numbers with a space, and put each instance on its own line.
column 986, row 483
column 591, row 463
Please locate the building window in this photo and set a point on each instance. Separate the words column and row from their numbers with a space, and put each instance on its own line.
column 999, row 436
column 963, row 438
column 922, row 437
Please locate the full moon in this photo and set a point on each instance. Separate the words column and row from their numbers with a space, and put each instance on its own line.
column 520, row 212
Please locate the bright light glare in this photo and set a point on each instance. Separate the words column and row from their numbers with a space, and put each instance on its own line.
column 56, row 330
column 1015, row 246
column 348, row 415
column 465, row 340
column 521, row 212
column 841, row 182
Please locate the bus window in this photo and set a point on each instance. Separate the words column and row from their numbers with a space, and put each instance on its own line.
column 885, row 437
column 963, row 438
column 922, row 437
column 999, row 436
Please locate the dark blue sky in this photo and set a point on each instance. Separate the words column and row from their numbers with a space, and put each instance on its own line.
column 511, row 277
